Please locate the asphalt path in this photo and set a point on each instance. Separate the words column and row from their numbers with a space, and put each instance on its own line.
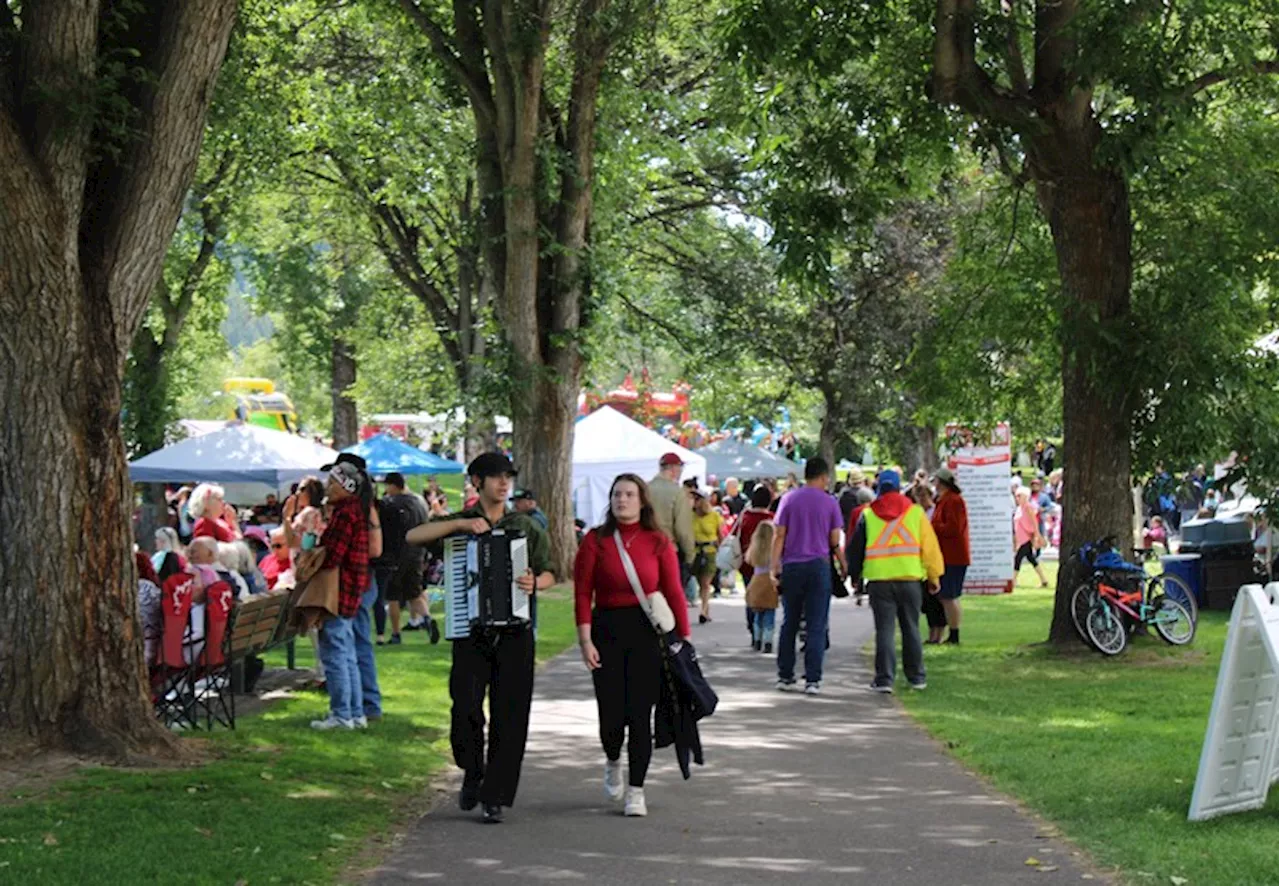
column 838, row 788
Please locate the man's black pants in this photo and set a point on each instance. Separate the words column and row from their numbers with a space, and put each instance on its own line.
column 502, row 665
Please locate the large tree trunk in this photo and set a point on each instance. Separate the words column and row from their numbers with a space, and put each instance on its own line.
column 83, row 231
column 543, row 443
column 1088, row 213
column 829, row 431
column 346, row 425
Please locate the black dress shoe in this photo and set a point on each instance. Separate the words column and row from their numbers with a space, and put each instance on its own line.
column 469, row 796
column 492, row 813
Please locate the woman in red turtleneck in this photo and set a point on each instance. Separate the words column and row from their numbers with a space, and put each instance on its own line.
column 617, row 640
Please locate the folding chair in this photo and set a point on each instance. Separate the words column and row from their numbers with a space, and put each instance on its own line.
column 211, row 683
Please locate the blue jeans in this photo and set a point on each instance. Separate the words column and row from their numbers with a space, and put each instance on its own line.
column 762, row 625
column 806, row 593
column 341, row 673
column 369, row 692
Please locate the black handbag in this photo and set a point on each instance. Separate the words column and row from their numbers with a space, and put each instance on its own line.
column 839, row 589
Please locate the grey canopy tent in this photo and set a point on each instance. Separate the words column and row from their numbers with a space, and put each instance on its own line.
column 737, row 458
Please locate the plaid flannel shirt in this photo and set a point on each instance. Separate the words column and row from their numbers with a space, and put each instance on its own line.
column 346, row 546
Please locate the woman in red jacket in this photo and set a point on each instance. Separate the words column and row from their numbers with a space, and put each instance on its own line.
column 951, row 524
column 618, row 642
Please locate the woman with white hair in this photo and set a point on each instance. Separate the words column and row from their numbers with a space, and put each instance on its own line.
column 214, row 517
column 237, row 560
column 1026, row 531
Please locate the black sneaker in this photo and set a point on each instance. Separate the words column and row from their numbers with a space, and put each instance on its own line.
column 469, row 796
column 768, row 649
column 492, row 813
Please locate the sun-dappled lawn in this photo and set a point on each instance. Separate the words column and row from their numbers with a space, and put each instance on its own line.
column 276, row 803
column 1107, row 749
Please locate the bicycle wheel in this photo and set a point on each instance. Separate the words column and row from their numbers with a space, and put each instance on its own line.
column 1175, row 587
column 1173, row 621
column 1082, row 600
column 1106, row 629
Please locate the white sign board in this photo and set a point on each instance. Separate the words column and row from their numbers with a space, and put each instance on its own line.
column 1239, row 761
column 982, row 469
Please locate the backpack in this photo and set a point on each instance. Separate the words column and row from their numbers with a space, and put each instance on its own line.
column 397, row 519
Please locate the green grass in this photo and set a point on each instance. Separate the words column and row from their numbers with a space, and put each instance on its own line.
column 1107, row 749
column 276, row 802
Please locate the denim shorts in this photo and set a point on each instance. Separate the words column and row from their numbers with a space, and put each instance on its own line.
column 952, row 584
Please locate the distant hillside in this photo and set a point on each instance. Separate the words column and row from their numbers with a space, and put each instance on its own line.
column 243, row 327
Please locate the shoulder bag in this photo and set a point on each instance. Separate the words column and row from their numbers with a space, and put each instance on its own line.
column 655, row 605
column 729, row 554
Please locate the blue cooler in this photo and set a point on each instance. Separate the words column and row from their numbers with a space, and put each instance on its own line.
column 1187, row 568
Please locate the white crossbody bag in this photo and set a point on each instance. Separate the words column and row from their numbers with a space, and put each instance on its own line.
column 654, row 605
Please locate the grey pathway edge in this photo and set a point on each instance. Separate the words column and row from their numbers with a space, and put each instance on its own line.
column 839, row 788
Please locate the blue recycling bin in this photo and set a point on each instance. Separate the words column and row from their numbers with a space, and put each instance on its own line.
column 1187, row 568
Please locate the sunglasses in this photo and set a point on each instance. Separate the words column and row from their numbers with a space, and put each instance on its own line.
column 277, row 546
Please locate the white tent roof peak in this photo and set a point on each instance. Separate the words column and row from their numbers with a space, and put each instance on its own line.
column 607, row 435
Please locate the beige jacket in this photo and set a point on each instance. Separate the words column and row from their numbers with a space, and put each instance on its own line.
column 674, row 512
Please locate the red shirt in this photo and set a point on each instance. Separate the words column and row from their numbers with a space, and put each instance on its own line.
column 747, row 523
column 213, row 528
column 600, row 578
column 346, row 546
column 271, row 567
column 951, row 525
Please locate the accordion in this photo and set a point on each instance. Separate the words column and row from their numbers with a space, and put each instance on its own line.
column 480, row 590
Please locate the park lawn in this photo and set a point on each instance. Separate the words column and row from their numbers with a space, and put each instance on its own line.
column 1106, row 749
column 277, row 802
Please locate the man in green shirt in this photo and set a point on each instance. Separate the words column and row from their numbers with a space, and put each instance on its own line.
column 499, row 662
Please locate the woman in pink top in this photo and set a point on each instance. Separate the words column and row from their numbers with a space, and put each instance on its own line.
column 1026, row 529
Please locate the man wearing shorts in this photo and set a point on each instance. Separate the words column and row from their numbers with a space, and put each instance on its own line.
column 399, row 569
column 951, row 525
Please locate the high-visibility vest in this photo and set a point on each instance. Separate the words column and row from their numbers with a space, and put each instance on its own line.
column 893, row 546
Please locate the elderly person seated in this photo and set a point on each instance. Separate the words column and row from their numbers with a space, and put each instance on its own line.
column 214, row 517
column 166, row 542
column 149, row 601
column 235, row 563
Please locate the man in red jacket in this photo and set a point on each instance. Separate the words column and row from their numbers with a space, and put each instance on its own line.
column 951, row 525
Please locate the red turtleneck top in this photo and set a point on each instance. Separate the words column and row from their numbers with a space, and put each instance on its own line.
column 599, row 578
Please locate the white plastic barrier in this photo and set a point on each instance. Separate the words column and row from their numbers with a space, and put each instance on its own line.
column 1241, row 759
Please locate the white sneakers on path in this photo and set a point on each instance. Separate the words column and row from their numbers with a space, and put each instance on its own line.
column 613, row 786
column 634, row 806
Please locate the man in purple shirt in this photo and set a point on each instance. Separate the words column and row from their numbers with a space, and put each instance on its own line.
column 807, row 532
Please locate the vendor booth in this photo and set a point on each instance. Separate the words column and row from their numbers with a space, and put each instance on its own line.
column 605, row 444
column 384, row 454
column 742, row 460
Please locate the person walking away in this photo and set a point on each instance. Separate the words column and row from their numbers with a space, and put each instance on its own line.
column 950, row 521
column 706, row 538
column 935, row 615
column 748, row 521
column 849, row 495
column 806, row 532
column 346, row 548
column 865, row 496
column 762, row 593
column 399, row 570
column 1026, row 534
column 671, row 510
column 493, row 661
column 615, row 635
column 894, row 551
column 527, row 503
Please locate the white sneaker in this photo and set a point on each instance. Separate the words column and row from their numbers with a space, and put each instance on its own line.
column 613, row 786
column 786, row 685
column 332, row 722
column 361, row 722
column 634, row 806
column 812, row 688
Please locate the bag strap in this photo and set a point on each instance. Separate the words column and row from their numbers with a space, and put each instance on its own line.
column 634, row 579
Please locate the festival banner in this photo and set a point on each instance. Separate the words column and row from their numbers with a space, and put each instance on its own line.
column 982, row 469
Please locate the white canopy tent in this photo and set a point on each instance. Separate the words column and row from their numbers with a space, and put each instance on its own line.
column 737, row 458
column 605, row 444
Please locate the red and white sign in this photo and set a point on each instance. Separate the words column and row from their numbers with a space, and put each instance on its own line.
column 982, row 472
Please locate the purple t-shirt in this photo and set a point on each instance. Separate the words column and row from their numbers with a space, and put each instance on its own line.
column 809, row 514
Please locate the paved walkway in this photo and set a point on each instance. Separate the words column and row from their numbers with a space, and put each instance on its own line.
column 841, row 788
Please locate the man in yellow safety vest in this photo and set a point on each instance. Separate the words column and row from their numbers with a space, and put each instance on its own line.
column 893, row 550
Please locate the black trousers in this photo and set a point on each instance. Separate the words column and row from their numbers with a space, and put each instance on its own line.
column 502, row 665
column 627, row 685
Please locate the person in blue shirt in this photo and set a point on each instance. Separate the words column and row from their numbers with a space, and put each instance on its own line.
column 527, row 503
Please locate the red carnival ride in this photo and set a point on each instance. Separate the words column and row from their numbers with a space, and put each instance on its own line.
column 643, row 403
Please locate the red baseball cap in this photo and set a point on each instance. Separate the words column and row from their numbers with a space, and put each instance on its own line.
column 670, row 459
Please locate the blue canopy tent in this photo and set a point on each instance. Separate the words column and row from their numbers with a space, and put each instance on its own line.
column 385, row 454
column 238, row 453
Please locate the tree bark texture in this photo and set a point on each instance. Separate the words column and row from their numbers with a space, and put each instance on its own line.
column 346, row 424
column 83, row 233
column 830, row 430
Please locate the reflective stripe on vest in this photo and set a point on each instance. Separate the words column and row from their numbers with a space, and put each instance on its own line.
column 893, row 547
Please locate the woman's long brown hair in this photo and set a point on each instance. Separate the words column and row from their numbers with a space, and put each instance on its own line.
column 647, row 519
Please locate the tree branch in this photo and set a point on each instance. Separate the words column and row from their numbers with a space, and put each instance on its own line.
column 468, row 78
column 1013, row 50
column 1213, row 78
column 959, row 80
